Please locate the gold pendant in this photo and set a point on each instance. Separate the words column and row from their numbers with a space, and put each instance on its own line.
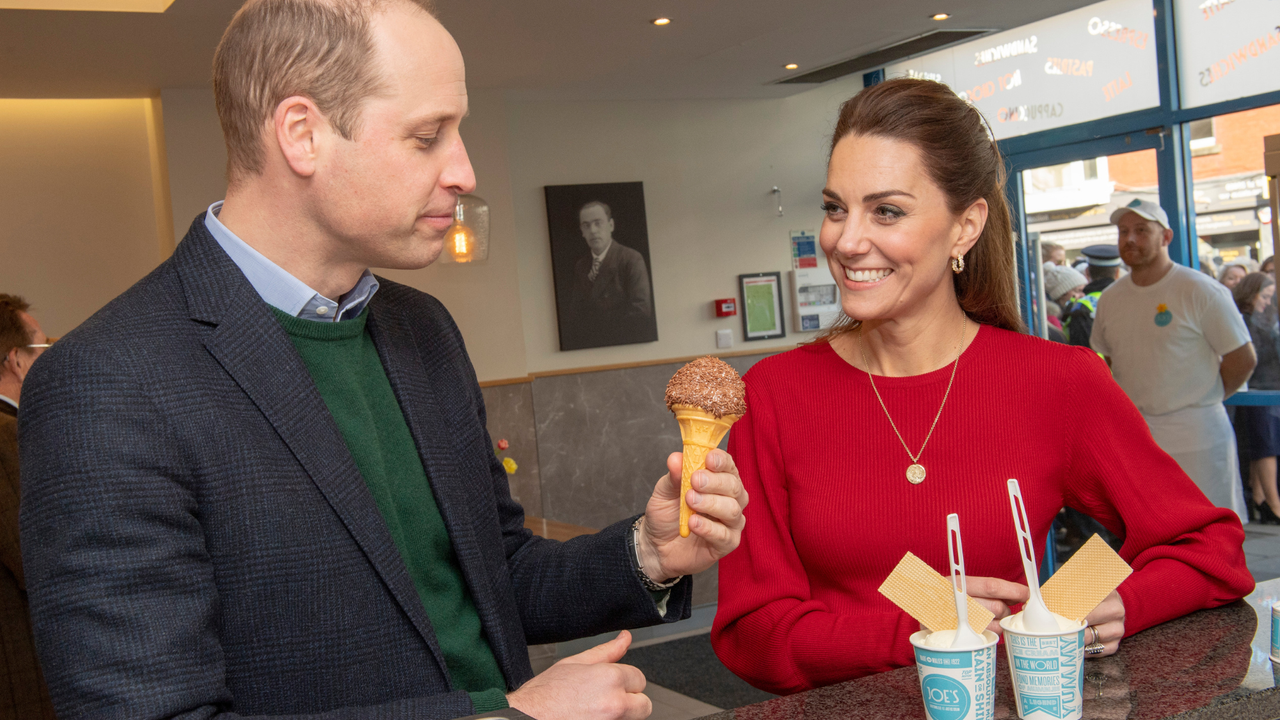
column 915, row 474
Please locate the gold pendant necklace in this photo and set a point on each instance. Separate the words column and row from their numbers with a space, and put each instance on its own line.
column 915, row 472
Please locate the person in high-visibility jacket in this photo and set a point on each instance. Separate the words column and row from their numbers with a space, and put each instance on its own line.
column 1077, row 315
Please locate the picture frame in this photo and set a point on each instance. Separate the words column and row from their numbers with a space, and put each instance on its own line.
column 762, row 316
column 600, row 264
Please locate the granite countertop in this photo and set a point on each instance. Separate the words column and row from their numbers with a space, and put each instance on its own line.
column 1210, row 664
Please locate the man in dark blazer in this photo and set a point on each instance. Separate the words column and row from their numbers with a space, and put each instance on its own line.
column 211, row 528
column 22, row 689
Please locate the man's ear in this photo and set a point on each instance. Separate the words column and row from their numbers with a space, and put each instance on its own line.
column 9, row 363
column 300, row 131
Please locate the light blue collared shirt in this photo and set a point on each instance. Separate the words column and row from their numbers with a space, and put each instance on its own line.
column 280, row 289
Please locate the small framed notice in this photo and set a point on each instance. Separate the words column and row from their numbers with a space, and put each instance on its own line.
column 762, row 306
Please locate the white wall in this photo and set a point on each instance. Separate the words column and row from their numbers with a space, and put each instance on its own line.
column 708, row 168
column 77, row 211
column 197, row 155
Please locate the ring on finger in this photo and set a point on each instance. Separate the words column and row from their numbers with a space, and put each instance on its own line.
column 1096, row 648
column 1094, row 630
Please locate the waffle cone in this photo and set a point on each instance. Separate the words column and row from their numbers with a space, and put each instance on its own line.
column 700, row 432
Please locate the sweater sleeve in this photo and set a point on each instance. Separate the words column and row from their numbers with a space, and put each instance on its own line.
column 768, row 628
column 1186, row 554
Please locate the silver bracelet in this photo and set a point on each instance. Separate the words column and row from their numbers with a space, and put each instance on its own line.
column 633, row 539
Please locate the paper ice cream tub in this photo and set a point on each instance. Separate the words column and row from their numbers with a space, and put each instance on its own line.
column 1047, row 669
column 956, row 684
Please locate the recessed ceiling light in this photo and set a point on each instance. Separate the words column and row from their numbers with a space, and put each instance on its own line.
column 661, row 21
column 941, row 16
column 150, row 6
column 791, row 66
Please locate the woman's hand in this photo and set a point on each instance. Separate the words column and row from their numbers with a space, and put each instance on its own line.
column 996, row 595
column 1107, row 621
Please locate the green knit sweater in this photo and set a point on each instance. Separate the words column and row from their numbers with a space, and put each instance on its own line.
column 349, row 375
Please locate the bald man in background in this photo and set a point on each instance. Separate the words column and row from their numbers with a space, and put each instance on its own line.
column 22, row 690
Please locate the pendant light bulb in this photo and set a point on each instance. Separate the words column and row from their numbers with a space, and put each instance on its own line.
column 461, row 238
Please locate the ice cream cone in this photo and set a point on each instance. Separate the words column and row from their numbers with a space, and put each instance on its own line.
column 700, row 431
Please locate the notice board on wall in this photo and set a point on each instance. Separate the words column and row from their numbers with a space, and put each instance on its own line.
column 1082, row 65
column 1227, row 49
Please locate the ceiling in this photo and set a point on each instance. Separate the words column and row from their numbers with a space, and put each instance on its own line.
column 548, row 49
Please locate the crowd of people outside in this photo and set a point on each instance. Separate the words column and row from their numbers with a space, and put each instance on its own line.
column 1231, row 318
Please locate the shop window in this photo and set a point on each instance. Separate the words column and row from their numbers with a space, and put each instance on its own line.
column 1233, row 216
column 1089, row 63
column 1227, row 49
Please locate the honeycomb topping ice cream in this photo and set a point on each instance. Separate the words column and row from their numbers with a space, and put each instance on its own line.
column 707, row 396
column 710, row 384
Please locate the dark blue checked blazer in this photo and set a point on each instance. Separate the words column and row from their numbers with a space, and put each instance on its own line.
column 198, row 540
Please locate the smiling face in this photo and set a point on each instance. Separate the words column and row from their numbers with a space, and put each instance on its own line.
column 888, row 233
column 387, row 196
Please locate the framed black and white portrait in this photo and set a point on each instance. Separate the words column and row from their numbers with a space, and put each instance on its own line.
column 600, row 261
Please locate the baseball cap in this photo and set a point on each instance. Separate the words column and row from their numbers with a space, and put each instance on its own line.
column 1144, row 209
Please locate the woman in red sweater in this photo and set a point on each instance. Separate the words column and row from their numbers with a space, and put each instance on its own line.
column 923, row 403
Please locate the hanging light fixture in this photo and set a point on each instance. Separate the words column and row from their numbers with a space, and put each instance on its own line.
column 468, row 238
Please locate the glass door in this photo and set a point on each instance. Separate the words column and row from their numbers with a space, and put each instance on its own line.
column 1065, row 212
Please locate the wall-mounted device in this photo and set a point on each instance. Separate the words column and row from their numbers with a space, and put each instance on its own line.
column 815, row 298
column 726, row 307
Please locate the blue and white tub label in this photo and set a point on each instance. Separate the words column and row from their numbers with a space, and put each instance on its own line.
column 958, row 685
column 1047, row 675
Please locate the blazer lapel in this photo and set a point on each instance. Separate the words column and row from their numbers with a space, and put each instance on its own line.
column 252, row 347
column 413, row 387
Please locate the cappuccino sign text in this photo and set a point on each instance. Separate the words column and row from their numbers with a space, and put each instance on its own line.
column 1082, row 65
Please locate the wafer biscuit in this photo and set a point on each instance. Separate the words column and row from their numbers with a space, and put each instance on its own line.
column 928, row 597
column 1085, row 580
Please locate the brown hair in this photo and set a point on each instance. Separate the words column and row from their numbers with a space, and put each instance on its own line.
column 275, row 49
column 1247, row 290
column 13, row 332
column 962, row 159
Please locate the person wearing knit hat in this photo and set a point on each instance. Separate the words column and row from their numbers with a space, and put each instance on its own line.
column 1103, row 267
column 1063, row 284
column 1178, row 347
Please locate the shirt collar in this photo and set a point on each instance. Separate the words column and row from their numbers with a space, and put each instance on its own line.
column 601, row 255
column 283, row 291
column 9, row 400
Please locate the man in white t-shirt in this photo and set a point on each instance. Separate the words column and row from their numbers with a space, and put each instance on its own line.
column 1178, row 347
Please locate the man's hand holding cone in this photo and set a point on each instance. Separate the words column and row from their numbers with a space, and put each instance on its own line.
column 717, row 499
column 695, row 515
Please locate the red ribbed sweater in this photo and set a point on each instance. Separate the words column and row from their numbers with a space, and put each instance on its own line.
column 831, row 511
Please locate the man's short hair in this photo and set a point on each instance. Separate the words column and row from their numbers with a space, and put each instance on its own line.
column 608, row 211
column 13, row 332
column 275, row 49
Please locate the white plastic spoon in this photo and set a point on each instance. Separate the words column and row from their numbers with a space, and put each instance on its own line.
column 1035, row 616
column 966, row 638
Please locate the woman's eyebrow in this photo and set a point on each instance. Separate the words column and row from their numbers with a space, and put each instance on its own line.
column 884, row 194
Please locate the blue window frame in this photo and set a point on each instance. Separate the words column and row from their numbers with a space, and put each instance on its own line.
column 1159, row 128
